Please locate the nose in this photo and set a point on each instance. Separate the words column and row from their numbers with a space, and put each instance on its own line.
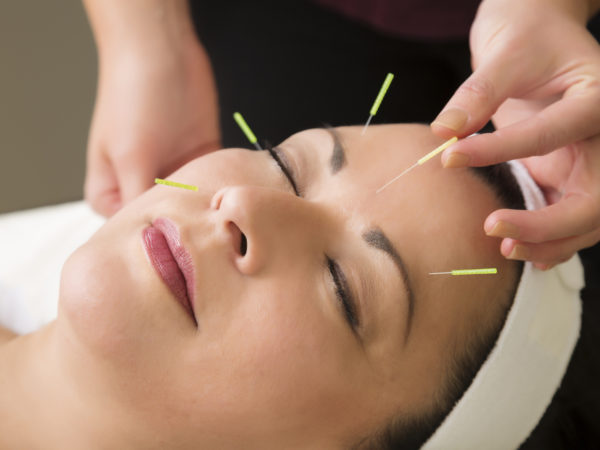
column 265, row 225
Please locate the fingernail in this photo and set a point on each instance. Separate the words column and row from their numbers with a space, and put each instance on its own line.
column 504, row 229
column 456, row 160
column 453, row 118
column 541, row 266
column 519, row 252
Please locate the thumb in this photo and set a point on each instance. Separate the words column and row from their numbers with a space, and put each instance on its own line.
column 101, row 188
column 473, row 103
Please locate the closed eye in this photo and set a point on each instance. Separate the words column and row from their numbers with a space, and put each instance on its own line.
column 343, row 294
column 279, row 158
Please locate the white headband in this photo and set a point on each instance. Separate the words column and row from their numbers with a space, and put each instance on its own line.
column 515, row 385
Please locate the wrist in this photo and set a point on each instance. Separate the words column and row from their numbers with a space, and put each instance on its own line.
column 142, row 28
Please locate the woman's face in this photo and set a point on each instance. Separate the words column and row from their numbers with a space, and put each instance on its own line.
column 303, row 329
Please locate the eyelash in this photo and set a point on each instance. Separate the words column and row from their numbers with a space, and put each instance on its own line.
column 337, row 276
column 283, row 169
column 341, row 292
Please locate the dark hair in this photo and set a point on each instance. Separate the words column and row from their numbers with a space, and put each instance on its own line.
column 412, row 432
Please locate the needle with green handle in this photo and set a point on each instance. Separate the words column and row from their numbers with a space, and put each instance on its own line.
column 246, row 129
column 421, row 161
column 377, row 102
column 488, row 271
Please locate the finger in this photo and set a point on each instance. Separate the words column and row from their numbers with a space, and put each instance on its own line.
column 574, row 214
column 548, row 254
column 571, row 119
column 542, row 266
column 101, row 189
column 474, row 102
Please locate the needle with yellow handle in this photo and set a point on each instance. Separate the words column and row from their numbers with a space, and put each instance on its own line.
column 421, row 161
column 489, row 271
column 175, row 184
column 384, row 87
column 246, row 130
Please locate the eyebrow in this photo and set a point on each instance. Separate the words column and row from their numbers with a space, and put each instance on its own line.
column 338, row 155
column 375, row 237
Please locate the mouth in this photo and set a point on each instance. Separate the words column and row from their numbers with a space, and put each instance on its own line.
column 171, row 261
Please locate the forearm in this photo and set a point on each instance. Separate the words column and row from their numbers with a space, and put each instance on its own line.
column 143, row 27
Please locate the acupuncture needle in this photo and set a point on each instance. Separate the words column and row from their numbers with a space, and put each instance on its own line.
column 175, row 184
column 421, row 161
column 487, row 271
column 384, row 87
column 246, row 130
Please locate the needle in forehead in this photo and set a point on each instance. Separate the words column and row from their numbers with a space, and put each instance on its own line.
column 246, row 130
column 421, row 161
column 377, row 102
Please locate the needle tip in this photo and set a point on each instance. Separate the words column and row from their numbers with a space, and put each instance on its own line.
column 395, row 178
column 364, row 130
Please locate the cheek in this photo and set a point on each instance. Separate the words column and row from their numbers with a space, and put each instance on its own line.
column 273, row 326
column 280, row 355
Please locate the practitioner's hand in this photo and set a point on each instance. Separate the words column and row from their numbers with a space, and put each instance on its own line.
column 153, row 114
column 537, row 75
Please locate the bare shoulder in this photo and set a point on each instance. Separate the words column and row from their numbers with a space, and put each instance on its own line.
column 6, row 335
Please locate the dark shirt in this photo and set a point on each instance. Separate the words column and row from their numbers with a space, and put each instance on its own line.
column 428, row 19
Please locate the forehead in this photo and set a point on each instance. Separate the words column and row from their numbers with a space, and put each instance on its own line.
column 437, row 206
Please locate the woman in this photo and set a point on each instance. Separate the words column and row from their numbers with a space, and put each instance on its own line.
column 304, row 315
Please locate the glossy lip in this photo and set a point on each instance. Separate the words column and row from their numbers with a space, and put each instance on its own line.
column 181, row 257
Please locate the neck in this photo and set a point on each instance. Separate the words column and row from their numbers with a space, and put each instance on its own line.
column 44, row 403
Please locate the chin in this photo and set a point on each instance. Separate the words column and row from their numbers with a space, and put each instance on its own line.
column 95, row 300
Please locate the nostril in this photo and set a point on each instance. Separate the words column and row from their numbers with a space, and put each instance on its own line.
column 243, row 245
column 240, row 243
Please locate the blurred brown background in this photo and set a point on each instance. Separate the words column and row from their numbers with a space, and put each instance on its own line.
column 47, row 89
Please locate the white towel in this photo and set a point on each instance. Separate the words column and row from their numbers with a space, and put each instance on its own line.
column 516, row 383
column 34, row 245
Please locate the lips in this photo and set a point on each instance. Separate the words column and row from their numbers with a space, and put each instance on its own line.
column 171, row 261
